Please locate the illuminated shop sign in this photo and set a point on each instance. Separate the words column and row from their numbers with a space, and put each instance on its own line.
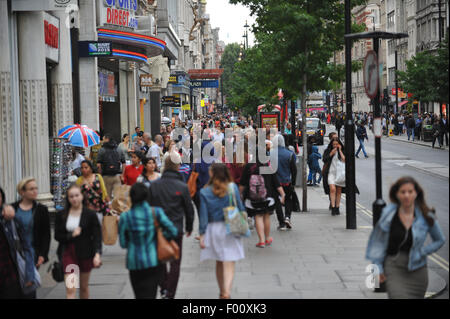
column 119, row 13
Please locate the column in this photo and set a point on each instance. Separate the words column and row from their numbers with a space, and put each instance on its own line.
column 33, row 99
column 7, row 163
column 88, row 67
column 132, row 102
column 155, row 111
column 62, row 93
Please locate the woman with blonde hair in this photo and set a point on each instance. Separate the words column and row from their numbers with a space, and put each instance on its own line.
column 35, row 221
column 214, row 241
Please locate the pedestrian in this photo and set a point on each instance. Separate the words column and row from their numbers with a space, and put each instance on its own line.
column 149, row 173
column 133, row 171
column 410, row 126
column 287, row 174
column 339, row 123
column 10, row 276
column 418, row 127
column 75, row 164
column 137, row 234
column 35, row 221
column 436, row 133
column 168, row 147
column 171, row 193
column 138, row 142
column 332, row 155
column 397, row 243
column 361, row 135
column 136, row 133
column 80, row 242
column 215, row 243
column 125, row 147
column 94, row 190
column 93, row 154
column 443, row 125
column 308, row 152
column 259, row 192
column 110, row 164
column 155, row 151
column 315, row 165
column 146, row 143
column 400, row 121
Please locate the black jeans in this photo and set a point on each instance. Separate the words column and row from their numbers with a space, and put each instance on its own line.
column 438, row 138
column 145, row 282
column 288, row 190
column 170, row 278
column 444, row 135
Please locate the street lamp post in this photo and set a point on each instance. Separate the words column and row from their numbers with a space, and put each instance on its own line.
column 246, row 26
column 350, row 199
column 396, row 82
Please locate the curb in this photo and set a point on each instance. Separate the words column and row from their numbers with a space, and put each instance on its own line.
column 427, row 172
column 405, row 141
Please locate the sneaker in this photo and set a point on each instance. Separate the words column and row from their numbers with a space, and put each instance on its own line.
column 287, row 221
column 282, row 228
column 269, row 241
column 260, row 245
column 356, row 156
column 367, row 156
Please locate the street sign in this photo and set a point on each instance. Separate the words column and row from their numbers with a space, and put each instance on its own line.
column 371, row 76
column 146, row 80
column 205, row 84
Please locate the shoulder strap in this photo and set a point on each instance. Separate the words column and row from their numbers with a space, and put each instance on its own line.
column 155, row 220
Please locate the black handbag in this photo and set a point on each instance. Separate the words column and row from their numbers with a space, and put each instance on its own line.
column 295, row 202
column 57, row 271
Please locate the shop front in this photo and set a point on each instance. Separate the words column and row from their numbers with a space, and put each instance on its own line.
column 121, row 98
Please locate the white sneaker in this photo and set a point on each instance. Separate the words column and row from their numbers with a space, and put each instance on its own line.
column 287, row 221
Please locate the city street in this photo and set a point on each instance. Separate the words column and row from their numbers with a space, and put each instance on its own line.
column 318, row 259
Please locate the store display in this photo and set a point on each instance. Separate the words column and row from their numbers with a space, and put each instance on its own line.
column 60, row 157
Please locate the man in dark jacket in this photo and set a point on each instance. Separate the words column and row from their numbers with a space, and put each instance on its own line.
column 410, row 125
column 361, row 135
column 109, row 162
column 443, row 124
column 172, row 194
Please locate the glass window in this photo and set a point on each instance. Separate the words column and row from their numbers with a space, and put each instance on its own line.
column 391, row 19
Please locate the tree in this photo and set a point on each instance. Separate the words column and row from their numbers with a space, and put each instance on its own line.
column 228, row 64
column 298, row 38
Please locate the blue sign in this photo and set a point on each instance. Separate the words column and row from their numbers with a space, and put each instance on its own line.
column 205, row 84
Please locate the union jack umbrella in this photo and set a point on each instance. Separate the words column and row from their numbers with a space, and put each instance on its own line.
column 79, row 135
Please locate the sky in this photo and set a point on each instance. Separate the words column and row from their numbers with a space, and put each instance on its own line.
column 231, row 20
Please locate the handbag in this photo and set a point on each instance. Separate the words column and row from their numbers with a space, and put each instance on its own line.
column 110, row 229
column 340, row 173
column 192, row 182
column 295, row 202
column 168, row 250
column 57, row 271
column 236, row 221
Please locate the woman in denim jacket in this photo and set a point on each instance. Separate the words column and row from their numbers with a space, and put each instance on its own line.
column 397, row 243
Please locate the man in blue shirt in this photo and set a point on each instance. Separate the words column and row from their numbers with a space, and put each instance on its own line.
column 286, row 173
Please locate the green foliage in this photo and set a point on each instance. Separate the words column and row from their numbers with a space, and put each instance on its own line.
column 426, row 75
column 293, row 38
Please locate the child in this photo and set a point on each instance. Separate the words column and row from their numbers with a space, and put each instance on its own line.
column 314, row 165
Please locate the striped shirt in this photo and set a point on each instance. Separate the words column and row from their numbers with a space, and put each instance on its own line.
column 137, row 234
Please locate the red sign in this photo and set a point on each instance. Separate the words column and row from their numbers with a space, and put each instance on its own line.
column 117, row 17
column 51, row 33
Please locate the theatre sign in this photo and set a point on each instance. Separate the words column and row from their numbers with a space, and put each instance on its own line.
column 119, row 13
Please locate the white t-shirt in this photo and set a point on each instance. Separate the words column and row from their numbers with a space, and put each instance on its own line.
column 218, row 136
column 155, row 152
column 72, row 222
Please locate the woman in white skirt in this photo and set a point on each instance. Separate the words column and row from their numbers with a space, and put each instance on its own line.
column 214, row 241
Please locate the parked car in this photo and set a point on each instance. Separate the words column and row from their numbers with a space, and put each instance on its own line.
column 314, row 128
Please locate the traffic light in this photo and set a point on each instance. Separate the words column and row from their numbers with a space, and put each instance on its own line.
column 385, row 97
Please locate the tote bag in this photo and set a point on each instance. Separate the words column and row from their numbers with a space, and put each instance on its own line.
column 110, row 229
column 168, row 250
column 236, row 221
column 340, row 173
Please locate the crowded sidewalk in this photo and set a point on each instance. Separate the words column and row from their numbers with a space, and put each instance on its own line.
column 318, row 259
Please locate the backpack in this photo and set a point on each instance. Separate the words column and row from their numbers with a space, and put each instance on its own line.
column 111, row 162
column 257, row 188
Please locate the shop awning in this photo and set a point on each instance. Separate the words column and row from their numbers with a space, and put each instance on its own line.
column 402, row 103
column 132, row 46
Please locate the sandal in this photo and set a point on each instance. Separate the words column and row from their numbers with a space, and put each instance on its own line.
column 269, row 242
column 260, row 245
